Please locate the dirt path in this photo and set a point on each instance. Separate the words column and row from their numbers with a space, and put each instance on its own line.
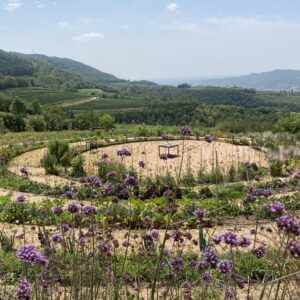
column 73, row 102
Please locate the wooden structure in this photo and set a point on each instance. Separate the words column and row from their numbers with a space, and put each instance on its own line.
column 168, row 146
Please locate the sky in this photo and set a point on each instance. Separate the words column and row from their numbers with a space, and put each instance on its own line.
column 158, row 39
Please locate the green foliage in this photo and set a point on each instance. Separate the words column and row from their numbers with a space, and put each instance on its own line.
column 107, row 122
column 78, row 167
column 276, row 169
column 291, row 123
column 58, row 155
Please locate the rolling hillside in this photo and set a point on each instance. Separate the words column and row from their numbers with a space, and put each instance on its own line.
column 277, row 80
column 75, row 67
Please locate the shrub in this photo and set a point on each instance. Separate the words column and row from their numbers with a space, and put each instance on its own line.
column 276, row 168
column 78, row 167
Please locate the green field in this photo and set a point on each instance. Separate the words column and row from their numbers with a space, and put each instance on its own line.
column 112, row 104
column 44, row 95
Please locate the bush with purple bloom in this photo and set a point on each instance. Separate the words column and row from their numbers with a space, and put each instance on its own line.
column 208, row 138
column 57, row 210
column 199, row 213
column 259, row 251
column 57, row 238
column 224, row 266
column 123, row 152
column 29, row 254
column 94, row 180
column 186, row 130
column 23, row 290
column 73, row 208
column 289, row 224
column 104, row 156
column 21, row 198
column 130, row 180
column 24, row 171
column 142, row 164
column 294, row 248
column 276, row 208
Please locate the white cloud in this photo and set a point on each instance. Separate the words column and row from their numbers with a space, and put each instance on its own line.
column 39, row 4
column 12, row 5
column 65, row 25
column 173, row 7
column 89, row 36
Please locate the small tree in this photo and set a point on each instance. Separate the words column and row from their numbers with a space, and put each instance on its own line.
column 107, row 122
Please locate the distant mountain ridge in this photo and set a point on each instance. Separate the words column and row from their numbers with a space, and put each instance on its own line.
column 277, row 80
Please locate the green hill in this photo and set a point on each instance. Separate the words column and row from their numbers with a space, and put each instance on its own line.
column 17, row 71
column 75, row 67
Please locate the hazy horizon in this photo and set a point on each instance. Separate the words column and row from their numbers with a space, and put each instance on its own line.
column 158, row 39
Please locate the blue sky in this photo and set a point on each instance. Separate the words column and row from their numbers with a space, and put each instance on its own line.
column 152, row 39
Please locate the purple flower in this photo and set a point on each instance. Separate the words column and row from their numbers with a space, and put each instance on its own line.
column 130, row 180
column 154, row 234
column 29, row 254
column 230, row 294
column 123, row 152
column 259, row 251
column 73, row 208
column 264, row 192
column 57, row 210
column 109, row 187
column 207, row 276
column 224, row 266
column 69, row 194
column 65, row 227
column 216, row 239
column 186, row 130
column 201, row 265
column 24, row 171
column 104, row 247
column 276, row 208
column 142, row 164
column 199, row 213
column 81, row 241
column 111, row 174
column 294, row 248
column 289, row 224
column 164, row 137
column 250, row 197
column 281, row 184
column 89, row 210
column 57, row 238
column 124, row 194
column 244, row 242
column 176, row 264
column 104, row 156
column 253, row 231
column 211, row 257
column 93, row 180
column 230, row 238
column 21, row 198
column 208, row 138
column 116, row 243
column 23, row 290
